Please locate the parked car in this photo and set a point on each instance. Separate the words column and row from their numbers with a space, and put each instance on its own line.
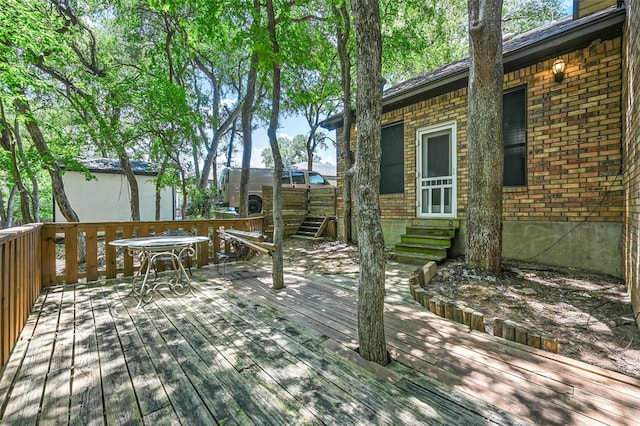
column 229, row 184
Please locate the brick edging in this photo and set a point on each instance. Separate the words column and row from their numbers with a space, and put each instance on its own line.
column 505, row 329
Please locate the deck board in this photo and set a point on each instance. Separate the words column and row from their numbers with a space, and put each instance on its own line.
column 29, row 382
column 148, row 387
column 178, row 387
column 237, row 366
column 330, row 382
column 528, row 382
column 236, row 352
column 451, row 371
column 86, row 386
column 387, row 407
column 120, row 403
column 275, row 367
column 57, row 393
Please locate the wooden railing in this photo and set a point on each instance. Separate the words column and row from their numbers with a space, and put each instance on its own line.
column 297, row 203
column 41, row 255
column 81, row 251
column 20, row 282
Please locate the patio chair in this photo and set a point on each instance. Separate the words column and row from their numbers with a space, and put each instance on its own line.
column 167, row 260
column 240, row 252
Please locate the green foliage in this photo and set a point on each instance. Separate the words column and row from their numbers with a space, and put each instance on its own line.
column 156, row 79
column 420, row 36
column 292, row 151
column 201, row 202
column 46, row 197
column 519, row 16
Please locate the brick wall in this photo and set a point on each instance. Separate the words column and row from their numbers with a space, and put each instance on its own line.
column 631, row 124
column 587, row 7
column 574, row 141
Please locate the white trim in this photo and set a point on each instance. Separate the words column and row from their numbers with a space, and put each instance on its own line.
column 450, row 126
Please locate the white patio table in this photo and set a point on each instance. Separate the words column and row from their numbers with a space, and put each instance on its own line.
column 148, row 249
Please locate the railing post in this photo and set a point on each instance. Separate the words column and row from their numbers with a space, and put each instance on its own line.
column 20, row 281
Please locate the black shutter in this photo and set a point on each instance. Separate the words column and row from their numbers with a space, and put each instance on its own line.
column 514, row 128
column 392, row 161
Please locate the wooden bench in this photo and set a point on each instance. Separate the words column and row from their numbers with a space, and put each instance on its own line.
column 244, row 244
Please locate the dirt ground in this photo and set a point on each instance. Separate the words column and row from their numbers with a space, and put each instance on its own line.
column 591, row 314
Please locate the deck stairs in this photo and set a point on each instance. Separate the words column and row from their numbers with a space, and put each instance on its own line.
column 426, row 241
column 312, row 228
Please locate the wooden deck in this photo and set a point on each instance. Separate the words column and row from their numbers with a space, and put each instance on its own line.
column 236, row 352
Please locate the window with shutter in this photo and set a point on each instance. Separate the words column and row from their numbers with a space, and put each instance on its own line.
column 514, row 129
column 392, row 161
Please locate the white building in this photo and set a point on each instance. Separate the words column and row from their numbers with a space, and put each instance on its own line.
column 106, row 198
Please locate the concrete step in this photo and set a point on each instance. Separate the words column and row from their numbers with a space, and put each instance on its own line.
column 421, row 249
column 433, row 240
column 447, row 231
column 415, row 258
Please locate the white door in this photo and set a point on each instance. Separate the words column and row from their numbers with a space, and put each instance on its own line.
column 436, row 174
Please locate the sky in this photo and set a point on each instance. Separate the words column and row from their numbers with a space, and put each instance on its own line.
column 293, row 126
column 289, row 127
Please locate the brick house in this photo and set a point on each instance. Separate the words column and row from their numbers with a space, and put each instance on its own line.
column 571, row 185
column 631, row 152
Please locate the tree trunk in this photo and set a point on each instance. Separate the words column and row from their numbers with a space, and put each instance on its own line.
column 3, row 215
column 50, row 163
column 34, row 195
column 134, row 202
column 344, row 144
column 158, row 203
column 484, row 136
column 222, row 127
column 10, row 142
column 367, row 182
column 231, row 141
column 23, row 192
column 312, row 116
column 209, row 161
column 247, row 146
column 10, row 204
column 278, row 218
column 158, row 192
column 310, row 152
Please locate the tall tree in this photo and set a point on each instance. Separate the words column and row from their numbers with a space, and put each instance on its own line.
column 484, row 136
column 22, row 106
column 277, row 273
column 29, row 35
column 318, row 102
column 247, row 114
column 10, row 141
column 312, row 86
column 367, row 182
column 343, row 33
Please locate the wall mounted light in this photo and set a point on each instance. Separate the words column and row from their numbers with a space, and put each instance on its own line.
column 558, row 69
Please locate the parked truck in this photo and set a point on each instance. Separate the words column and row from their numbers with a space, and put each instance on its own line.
column 229, row 184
